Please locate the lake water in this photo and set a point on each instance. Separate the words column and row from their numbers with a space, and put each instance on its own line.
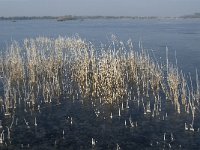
column 182, row 36
column 55, row 128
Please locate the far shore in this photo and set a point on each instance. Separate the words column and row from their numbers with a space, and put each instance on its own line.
column 70, row 17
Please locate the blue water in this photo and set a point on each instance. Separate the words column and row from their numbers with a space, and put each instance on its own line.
column 180, row 35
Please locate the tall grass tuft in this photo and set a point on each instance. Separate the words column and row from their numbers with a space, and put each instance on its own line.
column 45, row 70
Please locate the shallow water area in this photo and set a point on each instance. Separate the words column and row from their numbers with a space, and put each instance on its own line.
column 55, row 130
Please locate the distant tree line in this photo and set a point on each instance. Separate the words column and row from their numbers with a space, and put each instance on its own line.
column 70, row 17
column 195, row 15
column 27, row 18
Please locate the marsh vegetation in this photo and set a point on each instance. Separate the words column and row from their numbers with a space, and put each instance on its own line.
column 67, row 93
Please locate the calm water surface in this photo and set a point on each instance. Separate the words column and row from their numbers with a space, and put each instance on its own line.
column 181, row 35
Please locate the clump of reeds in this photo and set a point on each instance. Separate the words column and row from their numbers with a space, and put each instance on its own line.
column 45, row 70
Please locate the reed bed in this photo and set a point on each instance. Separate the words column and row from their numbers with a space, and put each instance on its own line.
column 113, row 80
column 45, row 70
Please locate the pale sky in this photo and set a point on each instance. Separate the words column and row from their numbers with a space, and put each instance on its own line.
column 98, row 7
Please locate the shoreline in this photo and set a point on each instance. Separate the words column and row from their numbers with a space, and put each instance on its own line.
column 69, row 18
